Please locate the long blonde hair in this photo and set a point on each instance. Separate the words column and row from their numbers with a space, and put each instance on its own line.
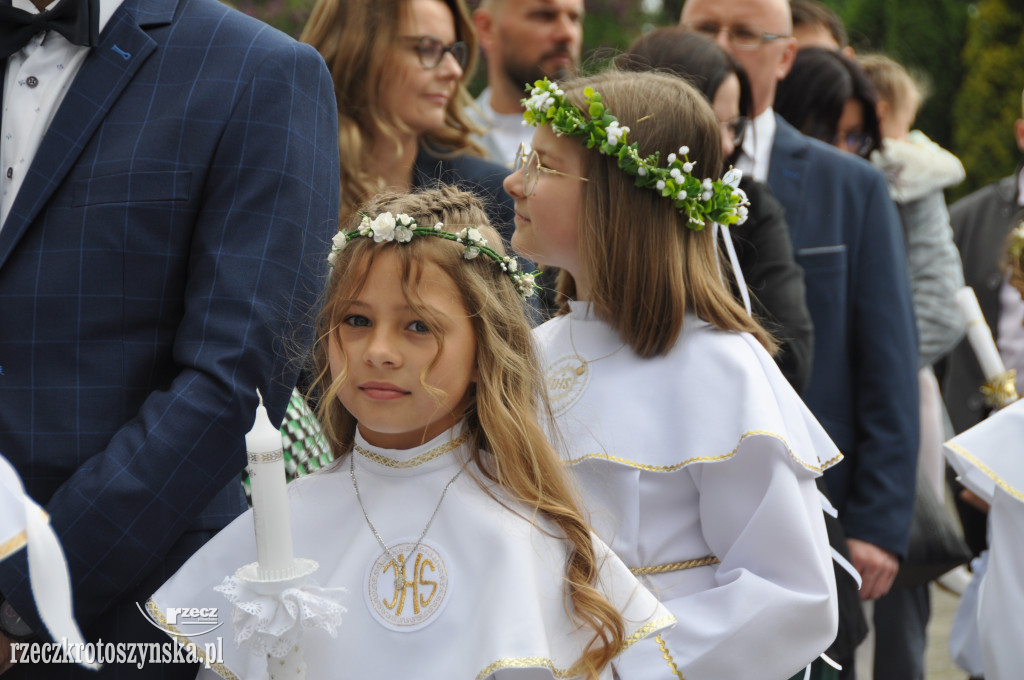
column 647, row 268
column 356, row 39
column 502, row 414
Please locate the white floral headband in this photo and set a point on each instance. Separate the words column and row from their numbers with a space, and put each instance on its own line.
column 401, row 228
column 719, row 201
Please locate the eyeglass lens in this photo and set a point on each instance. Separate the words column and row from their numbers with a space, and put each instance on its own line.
column 431, row 52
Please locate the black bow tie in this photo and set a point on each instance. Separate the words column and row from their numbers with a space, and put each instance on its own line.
column 76, row 20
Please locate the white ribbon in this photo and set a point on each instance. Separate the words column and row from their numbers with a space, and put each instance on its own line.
column 47, row 566
column 737, row 273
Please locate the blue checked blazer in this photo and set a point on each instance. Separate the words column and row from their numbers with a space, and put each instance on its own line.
column 847, row 238
column 161, row 261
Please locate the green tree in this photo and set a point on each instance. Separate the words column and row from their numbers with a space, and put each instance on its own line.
column 989, row 99
column 925, row 36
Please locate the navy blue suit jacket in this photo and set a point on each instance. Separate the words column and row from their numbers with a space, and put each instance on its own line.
column 846, row 235
column 168, row 238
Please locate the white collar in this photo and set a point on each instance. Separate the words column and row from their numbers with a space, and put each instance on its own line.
column 757, row 145
column 107, row 9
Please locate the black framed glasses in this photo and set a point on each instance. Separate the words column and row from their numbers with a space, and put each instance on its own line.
column 740, row 37
column 529, row 163
column 735, row 129
column 431, row 50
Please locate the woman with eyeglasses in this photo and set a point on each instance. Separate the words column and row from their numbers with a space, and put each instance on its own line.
column 828, row 97
column 762, row 242
column 399, row 69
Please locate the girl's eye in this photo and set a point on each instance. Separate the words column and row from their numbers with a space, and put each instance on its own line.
column 357, row 320
column 418, row 327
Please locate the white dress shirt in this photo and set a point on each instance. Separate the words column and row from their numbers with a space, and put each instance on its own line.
column 757, row 146
column 38, row 77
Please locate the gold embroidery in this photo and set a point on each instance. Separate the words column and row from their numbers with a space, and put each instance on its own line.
column 706, row 459
column 1016, row 493
column 675, row 566
column 430, row 455
column 158, row 616
column 13, row 544
column 272, row 456
column 574, row 671
column 418, row 601
column 668, row 658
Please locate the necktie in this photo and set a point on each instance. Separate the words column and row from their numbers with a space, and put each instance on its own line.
column 76, row 20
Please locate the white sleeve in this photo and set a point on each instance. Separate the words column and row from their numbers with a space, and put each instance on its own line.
column 773, row 609
column 1002, row 590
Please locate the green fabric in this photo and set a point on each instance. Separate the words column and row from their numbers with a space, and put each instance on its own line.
column 305, row 449
column 819, row 671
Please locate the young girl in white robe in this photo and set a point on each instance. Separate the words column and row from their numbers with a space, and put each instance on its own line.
column 695, row 458
column 989, row 461
column 447, row 515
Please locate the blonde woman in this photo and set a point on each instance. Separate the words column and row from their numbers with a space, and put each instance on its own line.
column 399, row 69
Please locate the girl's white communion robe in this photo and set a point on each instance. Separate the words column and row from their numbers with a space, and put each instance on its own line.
column 485, row 593
column 989, row 459
column 703, row 454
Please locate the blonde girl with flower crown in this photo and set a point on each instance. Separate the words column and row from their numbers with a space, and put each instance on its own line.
column 448, row 515
column 695, row 458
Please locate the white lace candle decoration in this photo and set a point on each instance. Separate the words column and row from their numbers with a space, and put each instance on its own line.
column 269, row 497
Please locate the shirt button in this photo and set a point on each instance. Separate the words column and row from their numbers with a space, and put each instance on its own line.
column 32, row 81
column 10, row 173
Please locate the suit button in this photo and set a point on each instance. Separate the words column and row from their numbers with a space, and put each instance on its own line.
column 32, row 81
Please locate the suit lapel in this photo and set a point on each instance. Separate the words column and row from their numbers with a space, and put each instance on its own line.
column 787, row 172
column 108, row 69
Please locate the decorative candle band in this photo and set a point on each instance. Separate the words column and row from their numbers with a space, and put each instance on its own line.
column 1000, row 390
column 271, row 457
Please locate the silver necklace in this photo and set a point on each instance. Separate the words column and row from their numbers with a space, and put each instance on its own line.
column 399, row 570
column 581, row 369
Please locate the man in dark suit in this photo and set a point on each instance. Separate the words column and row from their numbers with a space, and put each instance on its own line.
column 981, row 223
column 169, row 189
column 847, row 237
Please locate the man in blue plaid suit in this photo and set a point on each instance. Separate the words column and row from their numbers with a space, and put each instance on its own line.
column 160, row 258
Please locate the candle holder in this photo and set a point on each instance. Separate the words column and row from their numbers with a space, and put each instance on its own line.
column 1000, row 391
column 269, row 614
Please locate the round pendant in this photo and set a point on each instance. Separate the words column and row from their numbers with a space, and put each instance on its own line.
column 411, row 593
column 566, row 380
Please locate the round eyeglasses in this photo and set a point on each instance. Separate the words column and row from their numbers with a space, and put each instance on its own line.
column 431, row 50
column 529, row 163
column 740, row 37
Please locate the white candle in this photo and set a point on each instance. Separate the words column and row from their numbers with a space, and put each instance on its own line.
column 979, row 334
column 269, row 496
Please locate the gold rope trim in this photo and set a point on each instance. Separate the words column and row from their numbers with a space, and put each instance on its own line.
column 13, row 545
column 158, row 616
column 988, row 471
column 430, row 455
column 675, row 566
column 574, row 671
column 668, row 658
column 708, row 459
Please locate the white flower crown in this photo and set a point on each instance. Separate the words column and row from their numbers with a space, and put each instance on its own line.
column 720, row 201
column 401, row 228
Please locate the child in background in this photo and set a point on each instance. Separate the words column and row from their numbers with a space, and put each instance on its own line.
column 446, row 489
column 695, row 457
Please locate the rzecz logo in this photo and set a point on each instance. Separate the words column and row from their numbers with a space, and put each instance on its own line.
column 184, row 621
